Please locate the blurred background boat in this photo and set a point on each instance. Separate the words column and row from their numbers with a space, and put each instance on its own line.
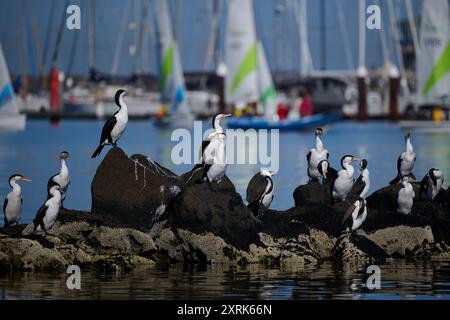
column 10, row 118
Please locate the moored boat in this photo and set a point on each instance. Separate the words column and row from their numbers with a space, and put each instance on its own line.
column 303, row 123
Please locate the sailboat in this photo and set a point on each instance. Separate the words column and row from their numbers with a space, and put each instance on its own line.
column 171, row 78
column 433, row 70
column 10, row 118
column 249, row 79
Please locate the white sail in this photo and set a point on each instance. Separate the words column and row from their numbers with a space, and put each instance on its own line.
column 267, row 94
column 9, row 110
column 433, row 63
column 8, row 103
column 241, row 53
column 171, row 74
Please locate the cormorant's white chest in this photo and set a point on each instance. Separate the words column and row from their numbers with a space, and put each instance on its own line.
column 405, row 199
column 343, row 183
column 121, row 123
column 13, row 209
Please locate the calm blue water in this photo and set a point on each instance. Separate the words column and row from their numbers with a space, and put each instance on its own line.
column 422, row 280
column 35, row 151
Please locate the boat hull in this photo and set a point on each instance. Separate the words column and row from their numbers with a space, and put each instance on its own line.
column 285, row 125
column 425, row 126
column 12, row 121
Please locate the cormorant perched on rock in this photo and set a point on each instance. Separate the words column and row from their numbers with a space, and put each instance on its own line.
column 343, row 184
column 362, row 184
column 217, row 129
column 355, row 215
column 315, row 156
column 114, row 126
column 405, row 198
column 12, row 206
column 215, row 162
column 260, row 191
column 62, row 178
column 405, row 162
column 48, row 213
column 431, row 184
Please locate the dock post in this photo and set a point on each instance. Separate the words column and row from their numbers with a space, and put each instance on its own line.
column 394, row 83
column 221, row 74
column 362, row 93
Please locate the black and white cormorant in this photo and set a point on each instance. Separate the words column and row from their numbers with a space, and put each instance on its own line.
column 217, row 129
column 343, row 184
column 215, row 162
column 431, row 184
column 405, row 162
column 355, row 215
column 114, row 126
column 315, row 156
column 12, row 206
column 362, row 184
column 260, row 191
column 405, row 197
column 48, row 213
column 62, row 178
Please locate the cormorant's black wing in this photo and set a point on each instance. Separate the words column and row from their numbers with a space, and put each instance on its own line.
column 39, row 216
column 107, row 128
column 205, row 143
column 348, row 216
column 362, row 207
column 423, row 186
column 5, row 203
column 331, row 177
column 50, row 184
column 256, row 187
column 399, row 163
column 308, row 157
column 357, row 188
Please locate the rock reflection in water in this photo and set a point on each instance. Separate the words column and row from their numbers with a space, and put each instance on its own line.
column 400, row 280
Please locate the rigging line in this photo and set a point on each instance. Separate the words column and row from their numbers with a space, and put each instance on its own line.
column 59, row 35
column 345, row 39
column 119, row 43
column 212, row 41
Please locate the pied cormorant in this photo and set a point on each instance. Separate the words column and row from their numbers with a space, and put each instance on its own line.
column 343, row 184
column 114, row 126
column 406, row 195
column 215, row 162
column 62, row 178
column 217, row 129
column 431, row 184
column 315, row 156
column 405, row 162
column 355, row 215
column 48, row 213
column 12, row 206
column 361, row 186
column 260, row 191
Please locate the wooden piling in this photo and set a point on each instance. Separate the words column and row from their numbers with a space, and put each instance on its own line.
column 394, row 83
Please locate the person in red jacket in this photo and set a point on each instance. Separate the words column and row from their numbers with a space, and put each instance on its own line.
column 306, row 106
column 282, row 111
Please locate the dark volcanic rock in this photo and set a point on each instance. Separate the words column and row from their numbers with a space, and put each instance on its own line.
column 283, row 223
column 312, row 193
column 382, row 213
column 200, row 208
column 134, row 191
